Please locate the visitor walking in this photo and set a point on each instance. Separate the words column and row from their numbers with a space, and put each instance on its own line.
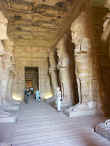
column 27, row 95
column 37, row 94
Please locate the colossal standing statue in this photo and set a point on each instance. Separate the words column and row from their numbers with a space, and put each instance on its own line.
column 85, row 74
column 64, row 72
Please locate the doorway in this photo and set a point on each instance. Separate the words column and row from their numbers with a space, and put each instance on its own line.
column 32, row 77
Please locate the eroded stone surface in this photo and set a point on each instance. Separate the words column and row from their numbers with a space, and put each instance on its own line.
column 64, row 72
column 84, row 73
column 3, row 26
column 104, row 129
column 31, row 20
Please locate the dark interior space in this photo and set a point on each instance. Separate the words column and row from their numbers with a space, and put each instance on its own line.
column 32, row 77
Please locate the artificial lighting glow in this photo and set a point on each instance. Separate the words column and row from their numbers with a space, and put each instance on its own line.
column 16, row 97
column 48, row 95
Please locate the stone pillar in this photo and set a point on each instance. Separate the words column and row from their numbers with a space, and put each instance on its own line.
column 10, row 85
column 1, row 49
column 103, row 128
column 52, row 72
column 4, row 74
column 44, row 82
column 86, row 66
column 10, row 63
column 3, row 71
column 3, row 27
column 64, row 72
column 6, row 59
column 83, row 64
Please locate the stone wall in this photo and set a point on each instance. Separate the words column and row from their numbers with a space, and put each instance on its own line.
column 44, row 84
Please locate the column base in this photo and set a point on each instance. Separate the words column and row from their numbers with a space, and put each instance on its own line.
column 15, row 102
column 103, row 129
column 82, row 110
column 66, row 104
column 11, row 107
column 6, row 117
column 8, row 106
column 51, row 100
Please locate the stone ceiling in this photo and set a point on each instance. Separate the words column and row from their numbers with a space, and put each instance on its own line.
column 99, row 3
column 38, row 23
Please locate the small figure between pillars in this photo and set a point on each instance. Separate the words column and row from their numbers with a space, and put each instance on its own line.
column 58, row 99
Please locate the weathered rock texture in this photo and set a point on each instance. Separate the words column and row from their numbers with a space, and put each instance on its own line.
column 87, row 82
column 53, row 71
column 64, row 72
column 6, row 62
column 87, row 66
column 35, row 27
column 3, row 27
column 101, row 24
column 30, row 22
column 42, row 64
column 4, row 71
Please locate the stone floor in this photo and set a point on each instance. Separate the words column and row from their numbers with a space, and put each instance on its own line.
column 41, row 125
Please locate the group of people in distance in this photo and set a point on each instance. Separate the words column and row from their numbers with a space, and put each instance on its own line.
column 29, row 92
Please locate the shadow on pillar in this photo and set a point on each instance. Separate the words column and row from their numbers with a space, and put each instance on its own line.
column 99, row 59
column 57, row 71
column 70, row 51
column 50, row 80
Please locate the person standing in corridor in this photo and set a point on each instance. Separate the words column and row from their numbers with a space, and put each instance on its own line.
column 37, row 95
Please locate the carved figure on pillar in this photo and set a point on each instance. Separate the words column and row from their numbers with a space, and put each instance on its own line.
column 103, row 128
column 82, row 61
column 3, row 26
column 52, row 72
column 83, row 69
column 7, row 117
column 64, row 72
column 10, row 3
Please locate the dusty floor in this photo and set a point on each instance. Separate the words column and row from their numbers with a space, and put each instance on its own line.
column 41, row 125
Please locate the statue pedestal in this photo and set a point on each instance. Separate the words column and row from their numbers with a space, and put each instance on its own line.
column 10, row 107
column 14, row 102
column 103, row 129
column 51, row 100
column 82, row 110
column 6, row 117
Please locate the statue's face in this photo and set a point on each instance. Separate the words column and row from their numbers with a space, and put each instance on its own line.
column 76, row 38
column 107, row 4
column 73, row 36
